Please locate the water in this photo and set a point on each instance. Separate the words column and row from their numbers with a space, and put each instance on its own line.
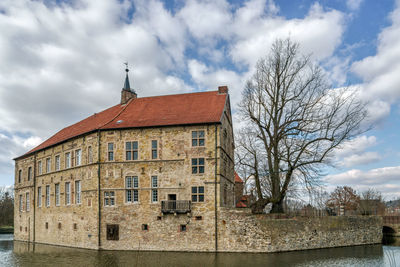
column 14, row 253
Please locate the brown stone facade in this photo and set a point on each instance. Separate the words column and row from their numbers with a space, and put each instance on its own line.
column 84, row 191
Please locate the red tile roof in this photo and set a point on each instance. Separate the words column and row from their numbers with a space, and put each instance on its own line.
column 168, row 110
column 237, row 178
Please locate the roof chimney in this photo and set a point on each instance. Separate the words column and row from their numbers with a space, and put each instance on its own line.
column 127, row 93
column 222, row 89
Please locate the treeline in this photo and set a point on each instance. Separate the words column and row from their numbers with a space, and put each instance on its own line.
column 6, row 207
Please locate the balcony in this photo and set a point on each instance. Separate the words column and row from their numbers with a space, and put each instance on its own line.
column 176, row 206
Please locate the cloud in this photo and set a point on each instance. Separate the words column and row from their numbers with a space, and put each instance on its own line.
column 354, row 4
column 357, row 145
column 361, row 159
column 383, row 179
column 380, row 72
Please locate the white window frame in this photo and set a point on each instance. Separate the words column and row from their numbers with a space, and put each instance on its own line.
column 78, row 192
column 154, row 189
column 39, row 197
column 132, row 189
column 40, row 167
column 28, row 201
column 47, row 195
column 154, row 149
column 110, row 152
column 67, row 160
column 68, row 193
column 109, row 198
column 90, row 154
column 21, row 203
column 57, row 162
column 57, row 194
column 78, row 157
column 196, row 137
column 132, row 150
column 48, row 165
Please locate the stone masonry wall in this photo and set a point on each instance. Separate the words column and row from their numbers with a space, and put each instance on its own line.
column 240, row 231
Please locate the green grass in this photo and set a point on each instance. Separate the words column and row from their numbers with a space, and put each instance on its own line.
column 6, row 229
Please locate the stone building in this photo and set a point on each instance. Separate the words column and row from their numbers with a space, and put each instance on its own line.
column 150, row 173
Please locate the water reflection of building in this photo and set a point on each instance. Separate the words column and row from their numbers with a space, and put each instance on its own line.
column 149, row 173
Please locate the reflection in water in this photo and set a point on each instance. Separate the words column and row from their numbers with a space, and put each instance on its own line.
column 14, row 253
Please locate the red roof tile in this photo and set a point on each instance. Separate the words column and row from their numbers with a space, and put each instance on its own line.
column 237, row 178
column 168, row 110
column 240, row 204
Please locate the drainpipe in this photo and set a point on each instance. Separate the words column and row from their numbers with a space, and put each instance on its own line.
column 215, row 192
column 98, row 189
column 34, row 198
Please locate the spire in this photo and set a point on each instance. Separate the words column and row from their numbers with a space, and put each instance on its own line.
column 127, row 86
column 127, row 93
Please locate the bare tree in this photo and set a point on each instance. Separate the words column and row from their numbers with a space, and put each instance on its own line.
column 371, row 203
column 294, row 122
column 343, row 197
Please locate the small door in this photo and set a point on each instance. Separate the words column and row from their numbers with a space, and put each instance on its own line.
column 171, row 196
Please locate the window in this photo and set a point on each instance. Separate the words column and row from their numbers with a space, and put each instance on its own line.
column 154, row 192
column 68, row 160
column 20, row 203
column 131, row 187
column 47, row 225
column 67, row 193
column 90, row 154
column 40, row 167
column 110, row 152
column 131, row 150
column 78, row 157
column 59, row 225
column 57, row 162
column 39, row 192
column 182, row 228
column 28, row 203
column 198, row 138
column 57, row 193
column 48, row 165
column 109, row 198
column 197, row 193
column 145, row 227
column 19, row 176
column 29, row 173
column 77, row 192
column 47, row 195
column 112, row 232
column 154, row 149
column 198, row 165
column 75, row 226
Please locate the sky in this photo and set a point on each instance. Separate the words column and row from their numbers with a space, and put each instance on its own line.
column 61, row 61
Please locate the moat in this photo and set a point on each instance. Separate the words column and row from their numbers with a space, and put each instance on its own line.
column 14, row 253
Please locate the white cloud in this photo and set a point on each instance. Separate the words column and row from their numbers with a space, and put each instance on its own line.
column 357, row 145
column 361, row 159
column 383, row 179
column 380, row 72
column 353, row 4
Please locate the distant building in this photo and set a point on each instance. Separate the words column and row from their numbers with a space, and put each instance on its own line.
column 150, row 173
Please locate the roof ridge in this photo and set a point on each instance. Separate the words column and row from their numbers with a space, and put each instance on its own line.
column 189, row 93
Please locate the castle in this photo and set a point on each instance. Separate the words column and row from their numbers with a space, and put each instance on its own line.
column 150, row 173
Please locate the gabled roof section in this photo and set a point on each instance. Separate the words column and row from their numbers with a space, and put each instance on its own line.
column 168, row 110
column 238, row 179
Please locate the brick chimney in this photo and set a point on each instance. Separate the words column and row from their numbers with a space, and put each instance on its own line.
column 222, row 89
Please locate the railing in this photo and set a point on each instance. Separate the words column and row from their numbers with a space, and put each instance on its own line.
column 176, row 206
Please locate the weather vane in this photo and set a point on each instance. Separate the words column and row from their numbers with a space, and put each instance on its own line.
column 127, row 69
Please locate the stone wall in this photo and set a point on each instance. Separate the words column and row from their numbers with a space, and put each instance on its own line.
column 240, row 231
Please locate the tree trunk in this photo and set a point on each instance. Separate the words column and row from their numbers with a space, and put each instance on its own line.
column 258, row 206
column 277, row 207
